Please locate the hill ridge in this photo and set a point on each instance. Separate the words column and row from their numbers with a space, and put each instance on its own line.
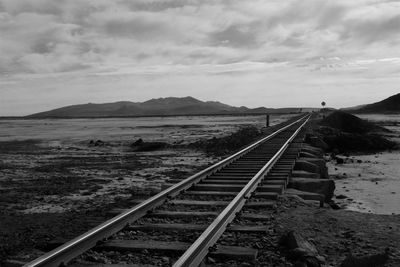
column 387, row 105
column 168, row 106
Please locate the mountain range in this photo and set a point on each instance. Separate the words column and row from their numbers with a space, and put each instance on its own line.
column 155, row 107
column 171, row 106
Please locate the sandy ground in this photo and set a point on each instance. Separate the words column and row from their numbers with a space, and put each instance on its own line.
column 371, row 183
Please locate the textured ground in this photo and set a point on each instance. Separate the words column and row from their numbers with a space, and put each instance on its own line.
column 46, row 187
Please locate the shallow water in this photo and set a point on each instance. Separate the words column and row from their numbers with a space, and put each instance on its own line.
column 380, row 117
column 168, row 129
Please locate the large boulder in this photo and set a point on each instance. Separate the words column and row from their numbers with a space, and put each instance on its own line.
column 325, row 187
column 300, row 250
column 306, row 195
column 375, row 260
column 306, row 166
column 313, row 150
column 317, row 142
column 323, row 170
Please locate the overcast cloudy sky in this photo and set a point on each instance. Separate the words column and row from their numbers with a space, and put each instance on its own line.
column 256, row 53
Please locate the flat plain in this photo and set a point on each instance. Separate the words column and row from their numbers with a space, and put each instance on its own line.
column 54, row 171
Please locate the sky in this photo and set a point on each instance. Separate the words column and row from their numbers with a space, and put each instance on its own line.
column 271, row 53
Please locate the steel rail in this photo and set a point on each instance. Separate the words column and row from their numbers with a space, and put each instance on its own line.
column 66, row 252
column 195, row 254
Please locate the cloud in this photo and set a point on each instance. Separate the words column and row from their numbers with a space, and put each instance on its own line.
column 236, row 36
column 88, row 39
column 39, row 33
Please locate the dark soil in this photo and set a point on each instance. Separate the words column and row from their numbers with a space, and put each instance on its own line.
column 44, row 178
column 141, row 145
column 230, row 143
column 348, row 123
column 25, row 146
column 337, row 233
column 350, row 142
column 37, row 231
column 343, row 133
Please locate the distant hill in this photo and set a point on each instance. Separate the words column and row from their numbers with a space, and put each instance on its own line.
column 352, row 108
column 388, row 105
column 155, row 107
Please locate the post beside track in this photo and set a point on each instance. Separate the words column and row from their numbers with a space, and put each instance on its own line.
column 194, row 255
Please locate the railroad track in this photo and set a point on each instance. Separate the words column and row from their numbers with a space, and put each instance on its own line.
column 183, row 225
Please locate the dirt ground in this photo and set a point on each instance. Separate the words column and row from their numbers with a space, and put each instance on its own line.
column 49, row 182
column 46, row 190
column 336, row 233
column 46, row 187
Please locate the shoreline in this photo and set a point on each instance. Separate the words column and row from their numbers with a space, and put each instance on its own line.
column 368, row 183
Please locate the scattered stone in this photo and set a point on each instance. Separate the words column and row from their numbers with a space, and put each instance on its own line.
column 140, row 145
column 366, row 261
column 321, row 259
column 325, row 187
column 301, row 251
column 333, row 205
column 339, row 160
column 211, row 260
column 300, row 264
column 293, row 240
column 138, row 142
column 13, row 263
column 99, row 143
column 317, row 142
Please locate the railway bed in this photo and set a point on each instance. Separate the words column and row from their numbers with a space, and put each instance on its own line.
column 217, row 216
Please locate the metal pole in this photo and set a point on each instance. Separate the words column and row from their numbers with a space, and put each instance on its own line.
column 267, row 118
